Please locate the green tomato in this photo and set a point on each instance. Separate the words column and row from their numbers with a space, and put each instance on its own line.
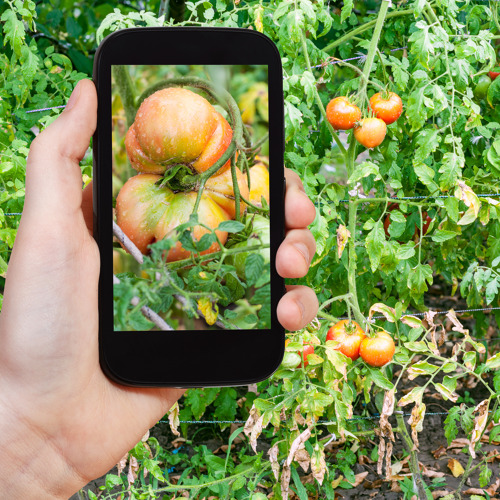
column 291, row 360
column 481, row 89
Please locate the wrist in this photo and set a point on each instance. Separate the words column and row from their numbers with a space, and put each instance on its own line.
column 31, row 467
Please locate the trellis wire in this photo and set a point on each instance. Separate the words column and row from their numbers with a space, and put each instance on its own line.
column 373, row 417
column 362, row 56
column 368, row 199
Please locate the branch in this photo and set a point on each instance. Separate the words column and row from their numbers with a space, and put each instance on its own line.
column 147, row 311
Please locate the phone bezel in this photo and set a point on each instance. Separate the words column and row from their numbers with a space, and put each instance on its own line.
column 187, row 358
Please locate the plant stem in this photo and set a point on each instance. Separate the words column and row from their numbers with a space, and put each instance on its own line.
column 126, row 91
column 373, row 45
column 458, row 492
column 417, row 476
column 318, row 98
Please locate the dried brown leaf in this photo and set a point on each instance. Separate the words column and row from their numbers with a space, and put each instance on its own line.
column 173, row 419
column 479, row 424
column 285, row 481
column 122, row 463
column 439, row 452
column 416, row 421
column 303, row 458
column 359, row 478
column 133, row 468
column 457, row 326
column 318, row 464
column 440, row 493
column 381, row 455
column 273, row 458
column 387, row 411
column 297, row 443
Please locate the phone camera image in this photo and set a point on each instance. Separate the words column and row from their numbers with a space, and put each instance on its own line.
column 190, row 193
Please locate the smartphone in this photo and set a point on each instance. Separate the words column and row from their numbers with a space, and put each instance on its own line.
column 189, row 206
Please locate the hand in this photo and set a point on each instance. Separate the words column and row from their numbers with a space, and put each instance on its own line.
column 62, row 422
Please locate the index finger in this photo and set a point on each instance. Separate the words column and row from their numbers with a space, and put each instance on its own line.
column 299, row 209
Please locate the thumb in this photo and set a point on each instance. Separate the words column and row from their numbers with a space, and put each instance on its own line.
column 53, row 175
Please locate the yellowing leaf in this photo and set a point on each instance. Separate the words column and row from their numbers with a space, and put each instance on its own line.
column 205, row 307
column 455, row 467
column 342, row 238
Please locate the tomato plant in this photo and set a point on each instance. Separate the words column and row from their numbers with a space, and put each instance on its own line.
column 387, row 108
column 342, row 114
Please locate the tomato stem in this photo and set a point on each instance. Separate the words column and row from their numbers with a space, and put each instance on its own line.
column 372, row 50
column 126, row 89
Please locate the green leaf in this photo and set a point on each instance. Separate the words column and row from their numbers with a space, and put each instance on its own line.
column 426, row 175
column 364, row 170
column 375, row 242
column 406, row 251
column 451, row 168
column 417, row 279
column 254, row 266
column 301, row 491
column 428, row 140
column 14, row 31
column 493, row 363
column 346, row 10
column 379, row 379
column 443, row 235
column 451, row 426
column 231, row 226
column 422, row 43
column 493, row 96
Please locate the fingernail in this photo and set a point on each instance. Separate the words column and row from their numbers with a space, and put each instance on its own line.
column 74, row 96
column 303, row 250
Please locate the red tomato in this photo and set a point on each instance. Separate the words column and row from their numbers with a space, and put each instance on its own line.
column 349, row 336
column 378, row 350
column 342, row 114
column 147, row 213
column 371, row 132
column 494, row 74
column 175, row 125
column 388, row 110
column 308, row 349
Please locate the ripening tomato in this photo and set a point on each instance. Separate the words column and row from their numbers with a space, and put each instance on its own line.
column 175, row 125
column 349, row 335
column 147, row 212
column 259, row 184
column 308, row 349
column 371, row 132
column 388, row 110
column 342, row 114
column 378, row 350
column 493, row 74
column 387, row 222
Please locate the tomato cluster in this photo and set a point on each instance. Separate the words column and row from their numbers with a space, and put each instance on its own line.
column 352, row 341
column 369, row 132
column 175, row 126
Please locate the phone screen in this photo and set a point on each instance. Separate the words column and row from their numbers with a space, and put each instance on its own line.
column 190, row 191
